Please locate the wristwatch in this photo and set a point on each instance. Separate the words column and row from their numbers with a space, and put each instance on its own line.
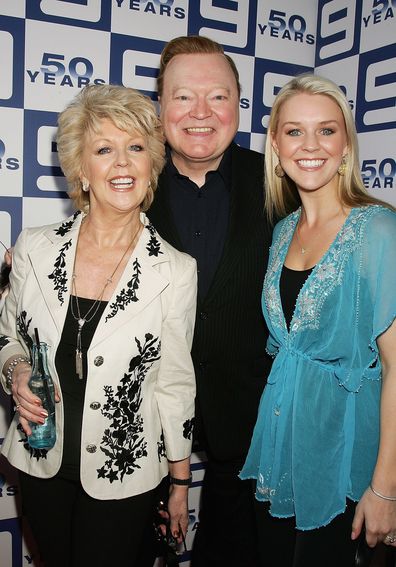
column 181, row 481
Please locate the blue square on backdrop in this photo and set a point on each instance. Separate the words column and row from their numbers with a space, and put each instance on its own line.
column 40, row 154
column 12, row 42
column 243, row 139
column 338, row 30
column 269, row 78
column 13, row 206
column 376, row 90
column 140, row 74
column 83, row 13
column 235, row 31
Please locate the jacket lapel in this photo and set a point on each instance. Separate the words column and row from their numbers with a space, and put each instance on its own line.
column 139, row 284
column 53, row 266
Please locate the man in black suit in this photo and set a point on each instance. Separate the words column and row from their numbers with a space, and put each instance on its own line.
column 210, row 204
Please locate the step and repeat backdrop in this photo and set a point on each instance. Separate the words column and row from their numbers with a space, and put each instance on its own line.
column 50, row 49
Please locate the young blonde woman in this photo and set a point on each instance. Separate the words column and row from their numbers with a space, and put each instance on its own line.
column 323, row 453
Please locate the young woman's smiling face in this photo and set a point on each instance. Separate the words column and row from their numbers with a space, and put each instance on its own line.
column 311, row 140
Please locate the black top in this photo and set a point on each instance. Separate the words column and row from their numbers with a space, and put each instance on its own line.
column 290, row 284
column 73, row 388
column 202, row 216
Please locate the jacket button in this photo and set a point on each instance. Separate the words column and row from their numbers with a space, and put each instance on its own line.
column 203, row 315
column 91, row 448
column 94, row 405
column 98, row 360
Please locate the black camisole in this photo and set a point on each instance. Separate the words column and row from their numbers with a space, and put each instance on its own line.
column 73, row 388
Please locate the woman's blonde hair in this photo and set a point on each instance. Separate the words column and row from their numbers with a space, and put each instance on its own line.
column 281, row 196
column 128, row 110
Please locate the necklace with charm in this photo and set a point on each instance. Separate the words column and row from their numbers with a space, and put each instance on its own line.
column 305, row 249
column 92, row 311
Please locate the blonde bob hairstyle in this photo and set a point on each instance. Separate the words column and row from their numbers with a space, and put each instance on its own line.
column 128, row 110
column 281, row 197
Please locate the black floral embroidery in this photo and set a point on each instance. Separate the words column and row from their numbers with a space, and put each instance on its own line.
column 67, row 225
column 123, row 442
column 161, row 448
column 36, row 453
column 127, row 295
column 188, row 428
column 3, row 341
column 153, row 247
column 23, row 329
column 59, row 272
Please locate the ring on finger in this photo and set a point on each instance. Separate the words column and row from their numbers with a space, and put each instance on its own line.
column 390, row 538
column 17, row 407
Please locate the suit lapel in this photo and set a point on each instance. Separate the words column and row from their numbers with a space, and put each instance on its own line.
column 160, row 214
column 242, row 215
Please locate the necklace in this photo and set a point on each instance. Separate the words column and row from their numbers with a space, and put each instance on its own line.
column 92, row 311
column 305, row 249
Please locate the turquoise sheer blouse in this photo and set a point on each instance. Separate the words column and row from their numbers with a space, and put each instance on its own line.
column 316, row 438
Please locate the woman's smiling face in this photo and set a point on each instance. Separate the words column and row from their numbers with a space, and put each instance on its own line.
column 117, row 166
column 311, row 140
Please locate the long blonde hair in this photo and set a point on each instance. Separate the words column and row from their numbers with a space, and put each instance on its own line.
column 281, row 195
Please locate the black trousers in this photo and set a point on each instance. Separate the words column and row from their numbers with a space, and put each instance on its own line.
column 281, row 544
column 226, row 535
column 73, row 529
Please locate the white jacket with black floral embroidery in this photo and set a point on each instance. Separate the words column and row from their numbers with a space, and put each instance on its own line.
column 139, row 399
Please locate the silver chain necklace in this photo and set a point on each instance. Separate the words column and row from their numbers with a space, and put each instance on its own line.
column 92, row 311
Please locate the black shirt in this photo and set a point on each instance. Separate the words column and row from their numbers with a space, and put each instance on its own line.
column 291, row 282
column 202, row 216
column 73, row 388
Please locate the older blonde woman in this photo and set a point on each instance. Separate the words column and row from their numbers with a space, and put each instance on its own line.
column 115, row 304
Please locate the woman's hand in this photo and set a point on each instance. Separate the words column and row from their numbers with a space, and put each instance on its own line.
column 8, row 256
column 379, row 518
column 178, row 511
column 27, row 404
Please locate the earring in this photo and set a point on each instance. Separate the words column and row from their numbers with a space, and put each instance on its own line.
column 85, row 185
column 343, row 166
column 279, row 170
column 149, row 185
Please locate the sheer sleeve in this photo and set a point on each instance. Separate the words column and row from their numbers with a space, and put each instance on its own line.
column 379, row 270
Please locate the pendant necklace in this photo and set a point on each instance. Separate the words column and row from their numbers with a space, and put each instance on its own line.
column 305, row 249
column 92, row 311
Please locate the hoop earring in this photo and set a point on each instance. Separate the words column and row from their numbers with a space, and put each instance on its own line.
column 343, row 165
column 279, row 170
